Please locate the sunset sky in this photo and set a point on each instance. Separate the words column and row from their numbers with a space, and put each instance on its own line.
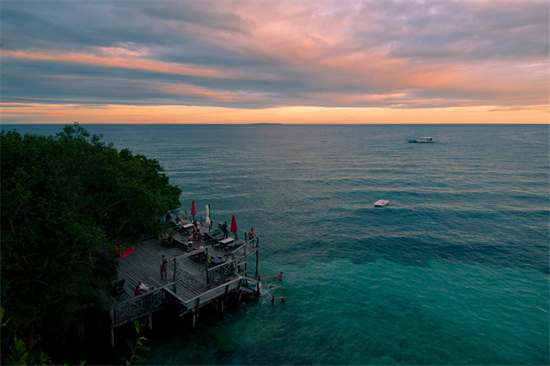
column 311, row 61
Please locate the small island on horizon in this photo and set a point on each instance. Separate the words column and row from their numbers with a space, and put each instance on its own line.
column 267, row 123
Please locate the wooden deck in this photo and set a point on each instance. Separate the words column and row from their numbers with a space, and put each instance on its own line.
column 195, row 277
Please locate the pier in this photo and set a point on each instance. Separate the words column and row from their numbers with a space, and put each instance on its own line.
column 198, row 273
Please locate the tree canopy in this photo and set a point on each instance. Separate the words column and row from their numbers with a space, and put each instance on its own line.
column 67, row 201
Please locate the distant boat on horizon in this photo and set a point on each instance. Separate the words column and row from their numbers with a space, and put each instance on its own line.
column 423, row 140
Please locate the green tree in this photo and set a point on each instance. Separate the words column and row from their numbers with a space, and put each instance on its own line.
column 67, row 201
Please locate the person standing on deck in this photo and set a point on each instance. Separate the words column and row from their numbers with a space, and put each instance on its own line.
column 163, row 267
column 225, row 231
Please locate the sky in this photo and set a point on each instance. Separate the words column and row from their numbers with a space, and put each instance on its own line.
column 315, row 61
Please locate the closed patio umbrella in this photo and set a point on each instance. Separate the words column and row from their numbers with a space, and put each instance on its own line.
column 234, row 227
column 193, row 210
column 208, row 221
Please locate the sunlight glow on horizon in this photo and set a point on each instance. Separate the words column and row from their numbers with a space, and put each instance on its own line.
column 131, row 114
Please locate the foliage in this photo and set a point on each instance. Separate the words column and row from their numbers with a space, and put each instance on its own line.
column 19, row 354
column 67, row 202
column 134, row 357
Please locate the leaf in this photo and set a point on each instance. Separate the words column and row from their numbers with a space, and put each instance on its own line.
column 130, row 344
column 139, row 359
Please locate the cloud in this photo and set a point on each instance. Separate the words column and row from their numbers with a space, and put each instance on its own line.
column 263, row 54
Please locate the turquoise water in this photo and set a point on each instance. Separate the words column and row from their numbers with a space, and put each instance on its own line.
column 454, row 271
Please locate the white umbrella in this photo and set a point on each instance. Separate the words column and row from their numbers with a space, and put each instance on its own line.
column 208, row 221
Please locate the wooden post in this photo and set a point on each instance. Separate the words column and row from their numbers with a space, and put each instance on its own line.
column 239, row 301
column 175, row 271
column 221, row 309
column 81, row 333
column 112, row 315
column 257, row 260
column 150, row 318
column 206, row 261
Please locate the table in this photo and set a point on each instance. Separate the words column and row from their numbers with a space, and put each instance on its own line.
column 216, row 261
column 226, row 241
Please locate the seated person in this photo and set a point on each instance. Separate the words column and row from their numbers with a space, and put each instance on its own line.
column 143, row 287
column 196, row 236
column 169, row 220
column 138, row 291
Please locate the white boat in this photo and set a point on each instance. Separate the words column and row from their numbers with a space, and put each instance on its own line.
column 381, row 203
column 423, row 140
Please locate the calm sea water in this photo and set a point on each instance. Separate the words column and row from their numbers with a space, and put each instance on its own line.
column 454, row 271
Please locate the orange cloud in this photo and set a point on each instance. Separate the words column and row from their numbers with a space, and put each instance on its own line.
column 128, row 60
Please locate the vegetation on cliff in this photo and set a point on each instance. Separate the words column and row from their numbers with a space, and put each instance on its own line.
column 68, row 202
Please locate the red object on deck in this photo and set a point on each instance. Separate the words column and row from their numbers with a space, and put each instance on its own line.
column 233, row 225
column 127, row 253
column 193, row 208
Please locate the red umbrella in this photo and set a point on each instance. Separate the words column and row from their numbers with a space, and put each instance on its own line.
column 193, row 209
column 234, row 226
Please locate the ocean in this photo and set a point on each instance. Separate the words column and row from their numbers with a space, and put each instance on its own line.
column 454, row 271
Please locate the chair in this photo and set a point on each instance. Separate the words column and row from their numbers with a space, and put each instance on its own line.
column 213, row 236
column 117, row 287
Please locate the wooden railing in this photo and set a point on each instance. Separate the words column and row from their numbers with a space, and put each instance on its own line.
column 220, row 273
column 139, row 306
column 208, row 296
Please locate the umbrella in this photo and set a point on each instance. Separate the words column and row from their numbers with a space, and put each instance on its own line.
column 208, row 221
column 234, row 226
column 193, row 210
